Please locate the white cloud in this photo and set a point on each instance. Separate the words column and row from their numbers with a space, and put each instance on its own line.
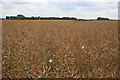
column 59, row 9
column 60, row 0
column 0, row 9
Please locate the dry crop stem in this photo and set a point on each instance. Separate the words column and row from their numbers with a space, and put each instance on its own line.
column 29, row 45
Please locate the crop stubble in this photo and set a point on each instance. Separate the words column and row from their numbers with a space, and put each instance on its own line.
column 28, row 45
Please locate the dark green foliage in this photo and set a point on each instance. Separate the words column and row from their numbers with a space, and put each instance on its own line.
column 101, row 18
column 22, row 17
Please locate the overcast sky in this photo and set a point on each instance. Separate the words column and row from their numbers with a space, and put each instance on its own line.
column 87, row 9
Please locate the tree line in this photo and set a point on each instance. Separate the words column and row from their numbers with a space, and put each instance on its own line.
column 101, row 18
column 22, row 17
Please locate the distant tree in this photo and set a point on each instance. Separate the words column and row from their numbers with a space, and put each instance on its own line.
column 20, row 17
column 13, row 17
column 98, row 18
column 73, row 18
column 7, row 17
column 101, row 18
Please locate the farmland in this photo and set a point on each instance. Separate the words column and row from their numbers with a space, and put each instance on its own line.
column 59, row 49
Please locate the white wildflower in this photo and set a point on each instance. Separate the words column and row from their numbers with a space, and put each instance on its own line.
column 50, row 60
column 82, row 47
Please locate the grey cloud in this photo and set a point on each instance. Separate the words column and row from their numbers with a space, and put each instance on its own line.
column 93, row 6
column 66, row 8
column 21, row 3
